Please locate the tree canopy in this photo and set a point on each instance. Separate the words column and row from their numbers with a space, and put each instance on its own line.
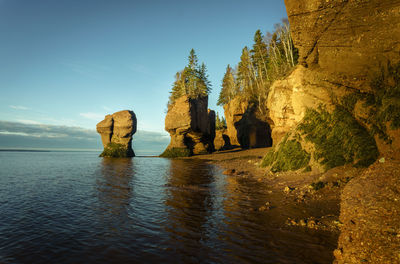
column 271, row 57
column 191, row 81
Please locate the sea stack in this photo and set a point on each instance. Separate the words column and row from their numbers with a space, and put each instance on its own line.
column 191, row 127
column 116, row 132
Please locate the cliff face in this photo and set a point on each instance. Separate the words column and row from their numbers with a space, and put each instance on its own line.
column 344, row 47
column 347, row 88
column 244, row 126
column 346, row 38
column 116, row 132
column 191, row 126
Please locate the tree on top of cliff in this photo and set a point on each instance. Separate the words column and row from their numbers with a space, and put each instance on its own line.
column 191, row 81
column 246, row 75
column 229, row 88
column 270, row 58
column 220, row 123
column 259, row 56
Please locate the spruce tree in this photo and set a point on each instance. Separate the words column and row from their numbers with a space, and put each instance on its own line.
column 229, row 87
column 259, row 56
column 192, row 81
column 246, row 75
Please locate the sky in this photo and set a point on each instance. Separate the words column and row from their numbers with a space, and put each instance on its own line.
column 68, row 63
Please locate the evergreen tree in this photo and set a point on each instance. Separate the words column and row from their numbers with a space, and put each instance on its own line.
column 220, row 123
column 191, row 81
column 259, row 56
column 246, row 75
column 229, row 87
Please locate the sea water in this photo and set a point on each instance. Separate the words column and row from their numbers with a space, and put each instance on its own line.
column 74, row 207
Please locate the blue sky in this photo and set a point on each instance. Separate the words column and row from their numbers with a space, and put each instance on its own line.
column 70, row 62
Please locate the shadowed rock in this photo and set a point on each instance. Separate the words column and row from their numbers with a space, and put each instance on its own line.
column 116, row 132
column 191, row 127
column 245, row 127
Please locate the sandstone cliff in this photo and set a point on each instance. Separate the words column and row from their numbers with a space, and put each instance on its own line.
column 116, row 132
column 340, row 106
column 191, row 127
column 349, row 54
column 244, row 126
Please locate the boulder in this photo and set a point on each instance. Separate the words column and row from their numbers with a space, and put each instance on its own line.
column 191, row 127
column 245, row 127
column 116, row 132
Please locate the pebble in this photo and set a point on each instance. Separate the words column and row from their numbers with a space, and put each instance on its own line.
column 382, row 160
column 288, row 189
column 229, row 172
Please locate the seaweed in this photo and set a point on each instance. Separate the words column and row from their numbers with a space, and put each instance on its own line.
column 289, row 156
column 115, row 150
column 176, row 153
column 338, row 138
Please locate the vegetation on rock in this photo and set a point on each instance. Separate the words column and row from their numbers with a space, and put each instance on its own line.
column 176, row 153
column 338, row 138
column 220, row 123
column 115, row 150
column 288, row 155
column 270, row 58
column 191, row 81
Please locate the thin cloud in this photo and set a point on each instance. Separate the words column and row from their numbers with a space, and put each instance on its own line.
column 92, row 116
column 19, row 107
column 30, row 122
column 141, row 138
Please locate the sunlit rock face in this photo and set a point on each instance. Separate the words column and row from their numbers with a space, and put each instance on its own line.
column 344, row 46
column 191, row 126
column 245, row 127
column 116, row 132
column 345, row 37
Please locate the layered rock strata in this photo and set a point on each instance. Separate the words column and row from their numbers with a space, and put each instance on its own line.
column 344, row 46
column 116, row 132
column 191, row 127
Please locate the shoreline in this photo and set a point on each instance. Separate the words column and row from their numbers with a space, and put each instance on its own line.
column 316, row 193
column 365, row 224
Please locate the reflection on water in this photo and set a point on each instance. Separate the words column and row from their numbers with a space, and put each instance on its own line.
column 189, row 204
column 114, row 191
column 78, row 208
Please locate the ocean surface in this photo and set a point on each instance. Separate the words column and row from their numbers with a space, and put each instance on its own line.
column 74, row 207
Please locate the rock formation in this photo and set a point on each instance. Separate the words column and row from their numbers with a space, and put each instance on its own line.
column 349, row 63
column 222, row 140
column 343, row 46
column 116, row 132
column 244, row 126
column 191, row 127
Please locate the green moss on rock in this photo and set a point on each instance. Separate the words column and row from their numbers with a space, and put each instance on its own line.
column 384, row 102
column 338, row 138
column 176, row 153
column 115, row 150
column 289, row 156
